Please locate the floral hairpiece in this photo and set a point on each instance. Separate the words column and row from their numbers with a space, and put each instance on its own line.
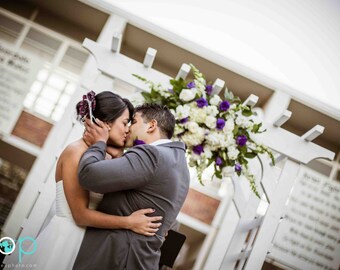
column 87, row 105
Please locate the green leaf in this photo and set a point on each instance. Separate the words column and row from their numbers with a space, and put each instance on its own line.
column 218, row 174
column 250, row 155
column 247, row 112
column 140, row 77
column 256, row 127
column 224, row 155
column 228, row 95
column 147, row 97
column 243, row 150
column 235, row 131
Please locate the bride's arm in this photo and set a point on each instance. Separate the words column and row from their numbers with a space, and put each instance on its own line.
column 78, row 200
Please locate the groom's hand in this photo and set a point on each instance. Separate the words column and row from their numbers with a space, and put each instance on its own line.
column 95, row 132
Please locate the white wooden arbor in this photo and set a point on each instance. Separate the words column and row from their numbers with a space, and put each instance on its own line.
column 250, row 235
column 240, row 238
column 246, row 249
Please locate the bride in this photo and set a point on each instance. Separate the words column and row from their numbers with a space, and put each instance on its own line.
column 58, row 244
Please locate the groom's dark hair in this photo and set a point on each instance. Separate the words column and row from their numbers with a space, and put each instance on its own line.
column 163, row 116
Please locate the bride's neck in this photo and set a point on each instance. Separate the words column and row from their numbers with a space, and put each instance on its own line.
column 85, row 142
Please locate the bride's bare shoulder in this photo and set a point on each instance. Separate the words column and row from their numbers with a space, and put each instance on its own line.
column 74, row 149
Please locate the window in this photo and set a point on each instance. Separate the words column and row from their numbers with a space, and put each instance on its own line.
column 63, row 60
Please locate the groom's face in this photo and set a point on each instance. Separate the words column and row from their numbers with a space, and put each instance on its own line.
column 138, row 130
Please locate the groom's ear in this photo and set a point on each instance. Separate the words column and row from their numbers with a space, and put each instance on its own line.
column 152, row 126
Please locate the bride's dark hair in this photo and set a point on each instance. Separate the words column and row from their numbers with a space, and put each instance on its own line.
column 106, row 106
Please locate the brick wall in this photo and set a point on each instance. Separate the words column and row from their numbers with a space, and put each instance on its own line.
column 200, row 206
column 32, row 129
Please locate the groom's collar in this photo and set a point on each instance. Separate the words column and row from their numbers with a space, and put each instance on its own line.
column 161, row 141
column 174, row 144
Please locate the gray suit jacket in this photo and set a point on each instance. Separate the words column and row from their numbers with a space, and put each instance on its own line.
column 145, row 176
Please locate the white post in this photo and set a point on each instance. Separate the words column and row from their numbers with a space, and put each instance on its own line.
column 272, row 217
column 37, row 194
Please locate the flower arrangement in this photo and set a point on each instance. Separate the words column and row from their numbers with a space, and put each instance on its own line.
column 216, row 131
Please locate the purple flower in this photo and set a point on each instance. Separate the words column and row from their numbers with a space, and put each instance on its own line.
column 209, row 89
column 171, row 90
column 191, row 85
column 241, row 140
column 184, row 120
column 220, row 123
column 138, row 142
column 219, row 161
column 224, row 105
column 201, row 102
column 238, row 167
column 198, row 149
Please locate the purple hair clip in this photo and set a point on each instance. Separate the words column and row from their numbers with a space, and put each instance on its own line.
column 87, row 105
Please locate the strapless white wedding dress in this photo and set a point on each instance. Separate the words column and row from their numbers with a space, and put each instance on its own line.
column 58, row 244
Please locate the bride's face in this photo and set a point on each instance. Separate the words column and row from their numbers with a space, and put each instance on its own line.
column 119, row 130
column 138, row 129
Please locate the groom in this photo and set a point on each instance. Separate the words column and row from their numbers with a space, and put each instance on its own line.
column 152, row 175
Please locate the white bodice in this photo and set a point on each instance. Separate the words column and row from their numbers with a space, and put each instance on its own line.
column 62, row 207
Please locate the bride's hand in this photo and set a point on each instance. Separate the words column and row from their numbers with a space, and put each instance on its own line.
column 142, row 224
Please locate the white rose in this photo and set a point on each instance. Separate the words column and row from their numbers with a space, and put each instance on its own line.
column 228, row 140
column 178, row 130
column 198, row 115
column 215, row 138
column 211, row 110
column 182, row 111
column 195, row 157
column 210, row 121
column 243, row 121
column 233, row 152
column 215, row 100
column 165, row 94
column 232, row 106
column 207, row 152
column 191, row 139
column 193, row 127
column 188, row 94
column 229, row 126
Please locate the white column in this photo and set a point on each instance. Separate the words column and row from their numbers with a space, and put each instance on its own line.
column 29, row 210
column 272, row 217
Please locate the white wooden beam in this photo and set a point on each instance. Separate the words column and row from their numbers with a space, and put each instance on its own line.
column 251, row 101
column 313, row 133
column 277, row 103
column 149, row 57
column 239, row 198
column 217, row 86
column 116, row 65
column 250, row 224
column 283, row 118
column 290, row 145
column 183, row 71
column 116, row 42
column 273, row 215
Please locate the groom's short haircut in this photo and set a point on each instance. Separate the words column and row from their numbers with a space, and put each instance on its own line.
column 165, row 119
